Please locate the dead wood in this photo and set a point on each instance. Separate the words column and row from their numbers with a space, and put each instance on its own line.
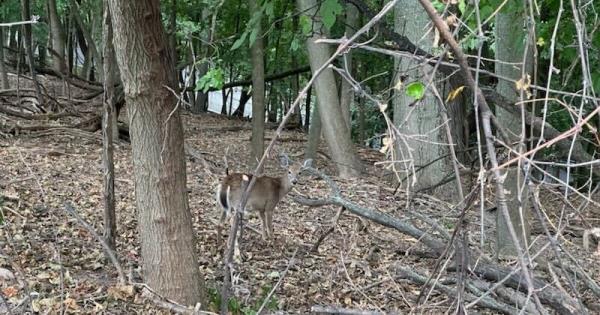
column 47, row 116
column 547, row 294
column 486, row 302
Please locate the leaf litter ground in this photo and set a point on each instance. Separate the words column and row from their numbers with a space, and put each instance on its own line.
column 47, row 255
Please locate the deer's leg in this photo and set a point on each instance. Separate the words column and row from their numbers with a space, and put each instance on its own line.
column 263, row 220
column 269, row 215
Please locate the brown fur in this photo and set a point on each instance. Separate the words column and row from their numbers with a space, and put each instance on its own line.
column 263, row 197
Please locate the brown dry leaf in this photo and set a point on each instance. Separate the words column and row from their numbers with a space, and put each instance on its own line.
column 72, row 304
column 452, row 20
column 348, row 300
column 10, row 291
column 524, row 84
column 121, row 292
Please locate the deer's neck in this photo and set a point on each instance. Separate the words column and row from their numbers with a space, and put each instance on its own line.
column 286, row 185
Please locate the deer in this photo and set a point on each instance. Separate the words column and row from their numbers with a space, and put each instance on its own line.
column 264, row 195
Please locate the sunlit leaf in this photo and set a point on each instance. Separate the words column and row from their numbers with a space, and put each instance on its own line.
column 454, row 93
column 328, row 11
column 415, row 90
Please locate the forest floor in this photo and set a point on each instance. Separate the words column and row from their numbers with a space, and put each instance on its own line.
column 61, row 266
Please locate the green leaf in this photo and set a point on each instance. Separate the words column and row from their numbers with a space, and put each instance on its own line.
column 239, row 41
column 328, row 11
column 214, row 78
column 415, row 90
column 269, row 9
column 253, row 36
column 462, row 6
column 295, row 44
column 306, row 25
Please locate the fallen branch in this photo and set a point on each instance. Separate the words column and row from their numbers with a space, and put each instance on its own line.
column 107, row 250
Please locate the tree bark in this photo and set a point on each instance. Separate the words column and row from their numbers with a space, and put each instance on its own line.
column 336, row 133
column 258, row 91
column 3, row 74
column 510, row 47
column 422, row 117
column 347, row 92
column 58, row 39
column 170, row 262
column 314, row 134
column 108, row 131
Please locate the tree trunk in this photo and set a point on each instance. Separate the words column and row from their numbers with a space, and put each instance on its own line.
column 224, row 95
column 273, row 104
column 108, row 131
column 58, row 39
column 173, row 29
column 257, row 52
column 205, row 49
column 307, row 106
column 70, row 46
column 3, row 75
column 336, row 133
column 422, row 118
column 27, row 42
column 170, row 262
column 314, row 134
column 362, row 121
column 510, row 48
column 347, row 92
column 244, row 98
column 93, row 54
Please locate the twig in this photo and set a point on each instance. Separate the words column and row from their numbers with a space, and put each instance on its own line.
column 268, row 297
column 171, row 306
column 109, row 252
column 315, row 247
column 323, row 309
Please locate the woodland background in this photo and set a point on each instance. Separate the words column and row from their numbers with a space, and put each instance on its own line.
column 455, row 148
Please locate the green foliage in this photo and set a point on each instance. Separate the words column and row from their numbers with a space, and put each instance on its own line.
column 415, row 90
column 328, row 11
column 214, row 78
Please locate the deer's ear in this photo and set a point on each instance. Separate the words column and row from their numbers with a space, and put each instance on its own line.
column 284, row 160
column 308, row 163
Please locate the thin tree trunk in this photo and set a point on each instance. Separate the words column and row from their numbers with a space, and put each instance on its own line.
column 362, row 122
column 87, row 36
column 510, row 48
column 314, row 134
column 3, row 74
column 336, row 133
column 70, row 46
column 27, row 41
column 307, row 106
column 224, row 99
column 257, row 52
column 108, row 130
column 168, row 242
column 347, row 92
column 57, row 39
